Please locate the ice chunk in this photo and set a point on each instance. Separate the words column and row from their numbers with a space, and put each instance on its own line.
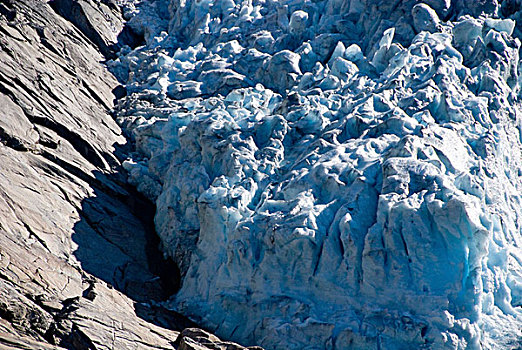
column 466, row 32
column 343, row 69
column 338, row 52
column 184, row 89
column 353, row 53
column 282, row 70
column 263, row 41
column 442, row 7
column 380, row 58
column 501, row 25
column 298, row 22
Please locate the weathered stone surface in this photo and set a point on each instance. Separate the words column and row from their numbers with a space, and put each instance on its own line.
column 74, row 249
column 198, row 339
column 100, row 21
column 11, row 339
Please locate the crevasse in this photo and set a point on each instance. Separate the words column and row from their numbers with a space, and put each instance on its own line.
column 334, row 174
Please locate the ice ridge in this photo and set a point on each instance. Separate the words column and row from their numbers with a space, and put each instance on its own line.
column 334, row 174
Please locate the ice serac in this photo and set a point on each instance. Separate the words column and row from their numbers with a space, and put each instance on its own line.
column 335, row 174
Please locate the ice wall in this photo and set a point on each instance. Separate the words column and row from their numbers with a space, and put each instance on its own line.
column 334, row 174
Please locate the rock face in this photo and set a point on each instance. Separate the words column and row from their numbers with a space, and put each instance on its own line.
column 76, row 249
column 335, row 174
column 66, row 216
column 196, row 339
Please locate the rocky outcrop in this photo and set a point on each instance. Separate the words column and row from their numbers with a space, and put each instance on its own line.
column 197, row 339
column 76, row 244
column 70, row 247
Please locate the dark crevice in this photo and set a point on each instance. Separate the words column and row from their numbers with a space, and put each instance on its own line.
column 77, row 340
column 119, row 92
column 94, row 95
column 12, row 141
column 317, row 258
column 74, row 13
column 6, row 314
column 6, row 11
column 79, row 173
column 141, row 208
column 49, row 46
column 129, row 37
column 33, row 234
column 159, row 265
column 163, row 317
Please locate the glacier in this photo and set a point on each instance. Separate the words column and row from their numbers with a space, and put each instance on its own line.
column 334, row 174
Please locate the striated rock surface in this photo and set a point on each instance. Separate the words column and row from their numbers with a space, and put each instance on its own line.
column 196, row 339
column 76, row 246
column 334, row 174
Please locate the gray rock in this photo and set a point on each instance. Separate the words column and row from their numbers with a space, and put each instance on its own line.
column 100, row 21
column 198, row 339
column 75, row 253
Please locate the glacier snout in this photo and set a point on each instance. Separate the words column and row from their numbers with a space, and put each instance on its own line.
column 335, row 174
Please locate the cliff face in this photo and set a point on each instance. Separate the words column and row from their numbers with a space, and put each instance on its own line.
column 76, row 244
column 66, row 216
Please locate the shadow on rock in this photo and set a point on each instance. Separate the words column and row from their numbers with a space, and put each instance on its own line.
column 116, row 243
column 100, row 22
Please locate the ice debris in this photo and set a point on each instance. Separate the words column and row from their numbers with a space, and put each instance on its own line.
column 334, row 174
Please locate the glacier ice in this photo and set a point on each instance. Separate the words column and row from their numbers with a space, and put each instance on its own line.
column 334, row 174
